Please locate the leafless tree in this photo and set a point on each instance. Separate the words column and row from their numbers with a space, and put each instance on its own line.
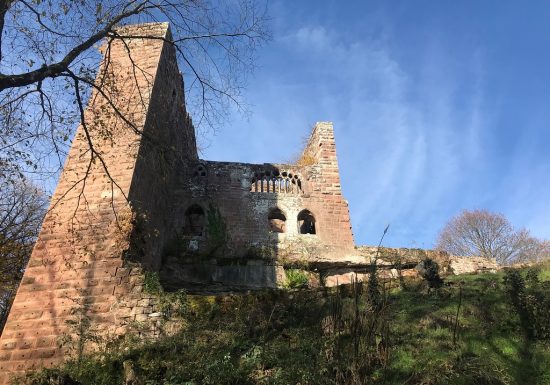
column 49, row 60
column 22, row 207
column 490, row 235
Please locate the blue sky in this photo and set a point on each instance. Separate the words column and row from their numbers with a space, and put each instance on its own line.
column 438, row 106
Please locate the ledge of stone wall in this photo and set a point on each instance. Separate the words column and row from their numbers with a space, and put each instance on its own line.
column 217, row 274
column 392, row 262
column 385, row 257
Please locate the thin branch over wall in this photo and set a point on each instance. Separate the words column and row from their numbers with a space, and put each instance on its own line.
column 48, row 49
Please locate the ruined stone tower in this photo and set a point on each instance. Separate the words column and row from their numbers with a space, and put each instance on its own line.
column 140, row 199
column 77, row 266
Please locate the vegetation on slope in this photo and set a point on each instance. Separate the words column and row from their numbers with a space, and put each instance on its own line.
column 350, row 335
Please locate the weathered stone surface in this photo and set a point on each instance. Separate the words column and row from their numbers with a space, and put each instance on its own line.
column 384, row 257
column 467, row 265
column 77, row 265
column 332, row 280
column 392, row 262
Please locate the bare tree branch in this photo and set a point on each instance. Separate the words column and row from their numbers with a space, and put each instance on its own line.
column 490, row 235
column 22, row 207
column 56, row 69
column 4, row 7
column 52, row 49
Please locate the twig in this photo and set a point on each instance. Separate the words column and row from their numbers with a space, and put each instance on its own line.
column 457, row 312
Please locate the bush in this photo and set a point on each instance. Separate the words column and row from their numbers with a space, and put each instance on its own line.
column 531, row 300
column 296, row 278
column 429, row 270
column 373, row 290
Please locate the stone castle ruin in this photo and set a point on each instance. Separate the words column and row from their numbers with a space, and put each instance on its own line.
column 142, row 200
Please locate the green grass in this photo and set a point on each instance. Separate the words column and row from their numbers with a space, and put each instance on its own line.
column 280, row 337
column 545, row 271
column 488, row 332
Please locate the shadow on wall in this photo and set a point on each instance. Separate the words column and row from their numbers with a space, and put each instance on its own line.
column 235, row 223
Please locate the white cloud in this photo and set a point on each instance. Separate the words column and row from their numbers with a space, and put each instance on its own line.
column 312, row 37
column 403, row 150
column 405, row 143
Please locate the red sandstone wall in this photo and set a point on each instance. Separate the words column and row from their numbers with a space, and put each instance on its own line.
column 78, row 263
column 323, row 185
column 167, row 146
column 227, row 186
column 76, row 266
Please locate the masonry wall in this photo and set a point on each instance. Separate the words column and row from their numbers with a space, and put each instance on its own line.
column 77, row 268
column 394, row 263
column 243, row 196
column 167, row 146
column 323, row 187
column 121, row 207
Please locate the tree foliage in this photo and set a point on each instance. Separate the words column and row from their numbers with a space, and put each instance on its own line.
column 490, row 235
column 49, row 60
column 22, row 207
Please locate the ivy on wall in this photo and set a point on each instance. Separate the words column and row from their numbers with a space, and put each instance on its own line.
column 217, row 229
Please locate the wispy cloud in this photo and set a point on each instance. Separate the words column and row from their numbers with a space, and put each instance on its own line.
column 402, row 145
column 405, row 142
column 311, row 37
column 417, row 136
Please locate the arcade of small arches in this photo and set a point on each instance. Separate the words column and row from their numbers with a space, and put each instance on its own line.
column 266, row 181
column 275, row 181
column 195, row 221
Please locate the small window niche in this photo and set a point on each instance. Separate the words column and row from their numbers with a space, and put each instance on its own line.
column 200, row 171
column 195, row 221
column 277, row 221
column 306, row 222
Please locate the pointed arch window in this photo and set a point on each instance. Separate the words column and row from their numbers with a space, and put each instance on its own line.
column 306, row 222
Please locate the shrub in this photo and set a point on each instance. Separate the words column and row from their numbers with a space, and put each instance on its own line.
column 151, row 283
column 373, row 291
column 429, row 270
column 296, row 278
column 531, row 300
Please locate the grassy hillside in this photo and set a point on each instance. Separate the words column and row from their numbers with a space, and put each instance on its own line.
column 357, row 334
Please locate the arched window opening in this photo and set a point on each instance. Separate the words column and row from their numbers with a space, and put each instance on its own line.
column 277, row 221
column 200, row 171
column 194, row 221
column 306, row 222
column 276, row 182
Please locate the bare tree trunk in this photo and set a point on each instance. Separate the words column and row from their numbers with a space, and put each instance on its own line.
column 4, row 6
